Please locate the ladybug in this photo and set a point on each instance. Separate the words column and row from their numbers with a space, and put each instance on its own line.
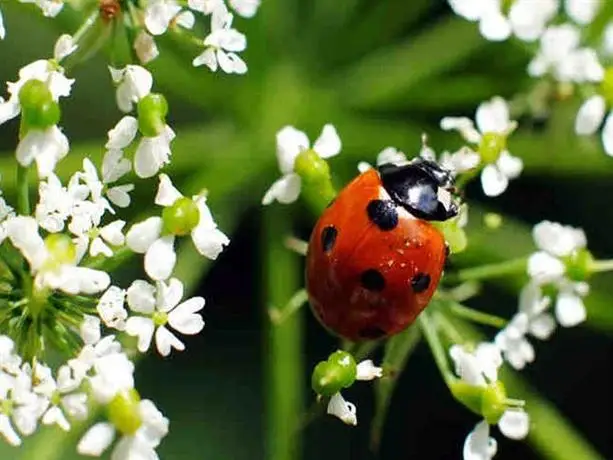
column 374, row 258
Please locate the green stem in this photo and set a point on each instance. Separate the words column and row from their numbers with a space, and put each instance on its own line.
column 436, row 347
column 23, row 191
column 475, row 315
column 280, row 315
column 508, row 267
column 284, row 374
column 601, row 266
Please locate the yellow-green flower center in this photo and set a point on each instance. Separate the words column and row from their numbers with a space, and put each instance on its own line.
column 491, row 146
column 123, row 412
column 181, row 217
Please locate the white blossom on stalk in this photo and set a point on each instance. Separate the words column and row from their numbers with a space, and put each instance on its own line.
column 525, row 19
column 64, row 46
column 160, row 258
column 387, row 155
column 480, row 369
column 42, row 70
column 493, row 122
column 548, row 266
column 160, row 14
column 139, row 445
column 55, row 271
column 223, row 44
column 204, row 6
column 290, row 143
column 46, row 147
column 561, row 55
column 158, row 307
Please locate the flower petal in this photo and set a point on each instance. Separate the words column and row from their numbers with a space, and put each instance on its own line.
column 328, row 144
column 143, row 234
column 160, row 258
column 493, row 181
column 184, row 318
column 590, row 116
column 285, row 190
column 290, row 142
column 478, row 444
column 569, row 309
column 167, row 194
column 96, row 440
column 342, row 409
column 143, row 328
column 514, row 424
column 165, row 341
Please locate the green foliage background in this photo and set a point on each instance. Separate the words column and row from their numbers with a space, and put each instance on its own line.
column 384, row 73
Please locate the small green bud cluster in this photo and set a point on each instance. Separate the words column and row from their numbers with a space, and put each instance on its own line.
column 38, row 109
column 152, row 110
column 331, row 376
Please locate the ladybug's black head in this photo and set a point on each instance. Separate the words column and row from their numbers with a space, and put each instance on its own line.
column 422, row 187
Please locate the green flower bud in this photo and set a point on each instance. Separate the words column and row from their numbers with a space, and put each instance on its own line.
column 579, row 265
column 61, row 248
column 181, row 217
column 346, row 367
column 38, row 109
column 152, row 110
column 331, row 376
column 491, row 146
column 468, row 395
column 123, row 412
column 317, row 188
column 494, row 402
column 33, row 93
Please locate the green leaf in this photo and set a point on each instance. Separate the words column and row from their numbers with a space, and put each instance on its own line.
column 387, row 74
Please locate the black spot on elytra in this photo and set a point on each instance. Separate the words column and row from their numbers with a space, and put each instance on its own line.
column 371, row 333
column 383, row 214
column 328, row 237
column 372, row 280
column 420, row 282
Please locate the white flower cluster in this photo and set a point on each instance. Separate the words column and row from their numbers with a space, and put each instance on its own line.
column 222, row 43
column 567, row 51
column 549, row 284
column 101, row 374
column 479, row 369
column 54, row 256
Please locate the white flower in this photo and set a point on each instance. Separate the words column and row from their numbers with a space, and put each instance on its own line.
column 112, row 373
column 290, row 142
column 159, row 14
column 492, row 117
column 160, row 258
column 50, row 271
column 61, row 397
column 159, row 306
column 366, row 370
column 42, row 70
column 512, row 342
column 111, row 308
column 480, row 369
column 344, row 410
column 204, row 6
column 560, row 55
column 140, row 445
column 582, row 12
column 145, row 48
column 46, row 147
column 526, row 18
column 55, row 202
column 387, row 155
column 223, row 44
column 133, row 83
column 246, row 8
column 153, row 153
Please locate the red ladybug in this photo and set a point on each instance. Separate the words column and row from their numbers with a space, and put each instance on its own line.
column 374, row 259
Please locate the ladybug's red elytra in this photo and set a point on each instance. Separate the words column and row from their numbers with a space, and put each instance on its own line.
column 374, row 258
